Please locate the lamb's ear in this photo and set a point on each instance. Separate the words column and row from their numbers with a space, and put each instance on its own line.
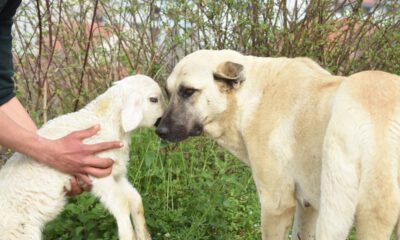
column 231, row 73
column 132, row 112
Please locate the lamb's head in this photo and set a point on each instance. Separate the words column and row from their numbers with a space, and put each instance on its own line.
column 142, row 103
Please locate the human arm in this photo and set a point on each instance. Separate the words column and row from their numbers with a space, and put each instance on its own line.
column 67, row 154
column 18, row 131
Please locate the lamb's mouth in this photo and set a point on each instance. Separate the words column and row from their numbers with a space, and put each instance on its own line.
column 157, row 122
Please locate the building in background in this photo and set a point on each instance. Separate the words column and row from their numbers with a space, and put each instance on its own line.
column 369, row 6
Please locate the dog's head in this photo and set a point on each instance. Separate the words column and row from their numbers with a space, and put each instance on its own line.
column 142, row 104
column 198, row 88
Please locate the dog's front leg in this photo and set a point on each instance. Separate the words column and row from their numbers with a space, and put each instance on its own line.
column 278, row 204
column 305, row 222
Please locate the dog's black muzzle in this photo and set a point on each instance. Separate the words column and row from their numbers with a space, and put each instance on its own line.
column 176, row 132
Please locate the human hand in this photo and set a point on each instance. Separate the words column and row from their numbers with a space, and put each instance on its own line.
column 69, row 155
column 78, row 185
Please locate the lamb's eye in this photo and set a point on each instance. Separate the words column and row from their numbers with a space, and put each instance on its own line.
column 186, row 92
column 154, row 100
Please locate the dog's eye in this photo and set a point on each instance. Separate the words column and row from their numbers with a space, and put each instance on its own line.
column 154, row 100
column 186, row 92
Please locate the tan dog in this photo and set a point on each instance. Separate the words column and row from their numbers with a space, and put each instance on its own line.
column 315, row 143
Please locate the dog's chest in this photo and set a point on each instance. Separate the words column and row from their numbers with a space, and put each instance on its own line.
column 235, row 147
column 307, row 193
column 229, row 138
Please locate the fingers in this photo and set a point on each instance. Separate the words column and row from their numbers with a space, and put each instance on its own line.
column 104, row 146
column 81, row 134
column 98, row 172
column 79, row 184
column 85, row 182
column 99, row 147
column 87, row 163
column 95, row 162
column 75, row 188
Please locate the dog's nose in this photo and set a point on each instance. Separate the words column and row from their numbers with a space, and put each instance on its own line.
column 157, row 122
column 162, row 131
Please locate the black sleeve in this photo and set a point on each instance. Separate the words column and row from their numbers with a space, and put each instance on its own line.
column 7, row 12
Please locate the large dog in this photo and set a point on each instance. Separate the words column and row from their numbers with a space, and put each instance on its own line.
column 323, row 149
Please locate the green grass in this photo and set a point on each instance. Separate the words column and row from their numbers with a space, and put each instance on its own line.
column 192, row 190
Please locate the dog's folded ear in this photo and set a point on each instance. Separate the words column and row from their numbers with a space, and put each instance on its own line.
column 132, row 112
column 231, row 73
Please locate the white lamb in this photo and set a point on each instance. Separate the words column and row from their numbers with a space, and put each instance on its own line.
column 32, row 194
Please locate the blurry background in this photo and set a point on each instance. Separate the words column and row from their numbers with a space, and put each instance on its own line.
column 69, row 51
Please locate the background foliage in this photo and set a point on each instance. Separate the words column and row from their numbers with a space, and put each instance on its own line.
column 67, row 52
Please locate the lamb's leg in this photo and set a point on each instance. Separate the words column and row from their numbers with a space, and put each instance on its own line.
column 113, row 197
column 136, row 207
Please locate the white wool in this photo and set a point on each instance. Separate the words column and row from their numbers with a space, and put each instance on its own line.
column 32, row 194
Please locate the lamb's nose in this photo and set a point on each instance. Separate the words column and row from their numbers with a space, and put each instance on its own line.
column 162, row 131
